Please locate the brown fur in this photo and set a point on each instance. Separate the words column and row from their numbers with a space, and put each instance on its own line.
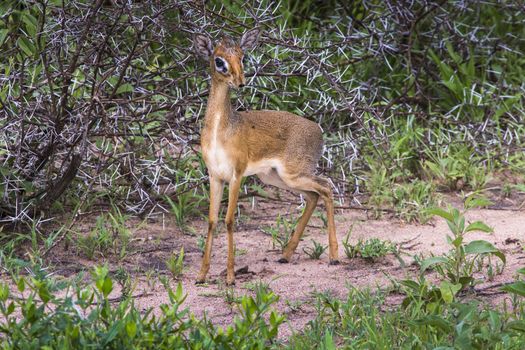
column 280, row 147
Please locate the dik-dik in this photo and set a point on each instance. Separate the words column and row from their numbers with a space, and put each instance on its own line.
column 281, row 148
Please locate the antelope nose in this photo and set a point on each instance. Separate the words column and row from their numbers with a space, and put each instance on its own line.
column 241, row 85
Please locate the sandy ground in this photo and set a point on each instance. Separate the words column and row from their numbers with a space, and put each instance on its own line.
column 155, row 241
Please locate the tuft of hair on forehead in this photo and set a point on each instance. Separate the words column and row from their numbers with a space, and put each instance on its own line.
column 228, row 43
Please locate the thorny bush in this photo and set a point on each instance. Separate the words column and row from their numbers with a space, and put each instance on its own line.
column 103, row 99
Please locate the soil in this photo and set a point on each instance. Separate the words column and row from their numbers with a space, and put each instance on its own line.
column 154, row 241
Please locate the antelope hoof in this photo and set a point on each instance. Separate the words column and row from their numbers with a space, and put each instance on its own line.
column 283, row 260
column 334, row 262
column 230, row 283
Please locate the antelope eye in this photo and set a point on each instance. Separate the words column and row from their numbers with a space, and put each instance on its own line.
column 220, row 64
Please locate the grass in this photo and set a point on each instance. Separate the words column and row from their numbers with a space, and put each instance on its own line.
column 175, row 264
column 281, row 232
column 110, row 235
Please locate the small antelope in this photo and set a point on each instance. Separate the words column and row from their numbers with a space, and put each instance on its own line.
column 281, row 148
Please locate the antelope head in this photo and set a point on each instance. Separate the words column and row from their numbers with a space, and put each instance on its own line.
column 226, row 57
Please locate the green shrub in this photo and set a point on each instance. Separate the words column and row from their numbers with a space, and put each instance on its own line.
column 371, row 248
column 57, row 316
column 365, row 320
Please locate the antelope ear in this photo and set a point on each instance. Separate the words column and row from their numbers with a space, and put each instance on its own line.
column 249, row 39
column 203, row 46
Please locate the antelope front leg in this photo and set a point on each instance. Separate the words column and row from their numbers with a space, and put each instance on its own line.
column 216, row 188
column 235, row 185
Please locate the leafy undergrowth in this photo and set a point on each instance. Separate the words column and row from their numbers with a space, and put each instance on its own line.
column 42, row 312
column 46, row 314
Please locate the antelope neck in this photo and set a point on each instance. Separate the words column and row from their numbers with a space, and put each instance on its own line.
column 219, row 106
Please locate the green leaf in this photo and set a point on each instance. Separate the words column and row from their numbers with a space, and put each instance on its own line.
column 457, row 242
column 31, row 23
column 479, row 226
column 517, row 326
column 112, row 333
column 425, row 264
column 26, row 45
column 435, row 321
column 410, row 284
column 125, row 88
column 107, row 287
column 43, row 293
column 21, row 284
column 179, row 295
column 465, row 280
column 131, row 329
column 10, row 308
column 476, row 202
column 3, row 35
column 448, row 291
column 483, row 247
column 494, row 320
column 440, row 212
column 329, row 342
column 515, row 288
column 4, row 292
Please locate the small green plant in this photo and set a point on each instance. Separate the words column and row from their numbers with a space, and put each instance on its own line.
column 379, row 185
column 460, row 263
column 281, row 232
column 110, row 235
column 97, row 241
column 506, row 190
column 185, row 205
column 151, row 278
column 121, row 233
column 316, row 251
column 201, row 243
column 350, row 250
column 455, row 168
column 175, row 264
column 323, row 218
column 229, row 295
column 408, row 199
column 294, row 305
column 371, row 248
column 411, row 200
column 240, row 251
column 253, row 285
column 123, row 278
